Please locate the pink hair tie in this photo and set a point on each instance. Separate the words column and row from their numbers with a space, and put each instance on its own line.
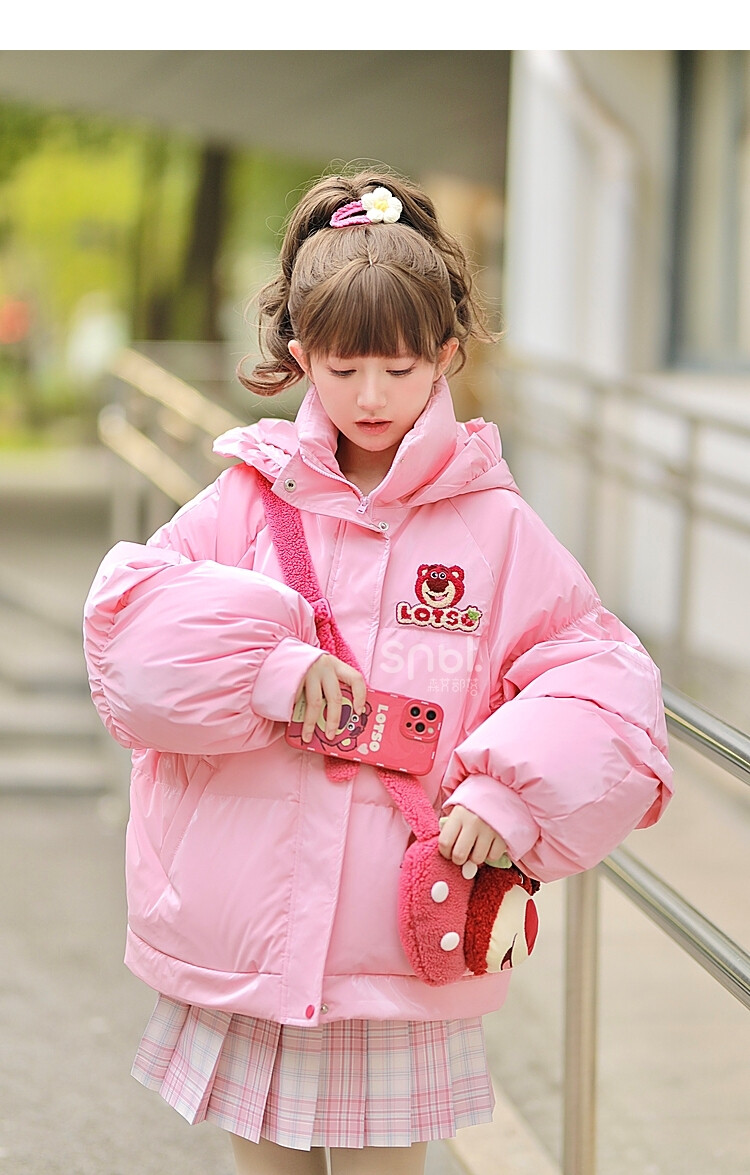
column 352, row 213
column 373, row 207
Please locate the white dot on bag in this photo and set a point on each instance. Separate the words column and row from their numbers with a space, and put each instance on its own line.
column 449, row 941
column 469, row 870
column 439, row 891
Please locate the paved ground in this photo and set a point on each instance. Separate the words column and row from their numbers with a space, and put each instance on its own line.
column 674, row 1076
column 72, row 1014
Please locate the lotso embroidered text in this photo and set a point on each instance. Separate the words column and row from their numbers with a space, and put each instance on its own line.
column 439, row 590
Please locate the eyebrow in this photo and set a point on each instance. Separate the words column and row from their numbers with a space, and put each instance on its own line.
column 386, row 358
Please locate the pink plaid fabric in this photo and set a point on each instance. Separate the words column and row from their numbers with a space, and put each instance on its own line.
column 351, row 1083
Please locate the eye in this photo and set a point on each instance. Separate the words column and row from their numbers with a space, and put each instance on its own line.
column 401, row 370
column 442, row 575
column 342, row 374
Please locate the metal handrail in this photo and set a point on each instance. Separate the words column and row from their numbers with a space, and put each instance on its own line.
column 709, row 946
column 714, row 738
column 676, row 481
column 152, row 380
column 517, row 363
column 143, row 455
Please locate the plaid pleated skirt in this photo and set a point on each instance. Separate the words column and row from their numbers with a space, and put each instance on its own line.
column 350, row 1083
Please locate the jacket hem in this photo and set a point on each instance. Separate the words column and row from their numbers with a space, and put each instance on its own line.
column 345, row 997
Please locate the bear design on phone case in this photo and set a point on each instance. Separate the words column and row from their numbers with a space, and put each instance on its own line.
column 350, row 727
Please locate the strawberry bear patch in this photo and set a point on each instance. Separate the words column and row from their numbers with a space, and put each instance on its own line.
column 439, row 591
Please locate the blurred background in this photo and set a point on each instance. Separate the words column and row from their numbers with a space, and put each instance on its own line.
column 604, row 198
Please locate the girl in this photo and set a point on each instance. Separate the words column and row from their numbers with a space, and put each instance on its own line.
column 262, row 893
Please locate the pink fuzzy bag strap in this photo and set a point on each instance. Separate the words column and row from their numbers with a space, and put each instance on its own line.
column 288, row 535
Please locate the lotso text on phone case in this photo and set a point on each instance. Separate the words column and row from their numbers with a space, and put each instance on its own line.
column 394, row 731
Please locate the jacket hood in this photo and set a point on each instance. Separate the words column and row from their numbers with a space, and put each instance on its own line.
column 438, row 458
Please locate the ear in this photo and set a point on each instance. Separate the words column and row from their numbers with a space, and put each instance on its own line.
column 299, row 356
column 446, row 355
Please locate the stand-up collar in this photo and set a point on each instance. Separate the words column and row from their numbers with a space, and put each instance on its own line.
column 423, row 452
column 438, row 457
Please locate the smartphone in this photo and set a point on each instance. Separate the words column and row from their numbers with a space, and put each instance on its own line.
column 394, row 731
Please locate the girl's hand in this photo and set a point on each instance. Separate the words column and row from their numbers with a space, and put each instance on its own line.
column 464, row 837
column 322, row 687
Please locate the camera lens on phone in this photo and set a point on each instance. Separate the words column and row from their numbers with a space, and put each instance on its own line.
column 431, row 715
column 419, row 727
column 414, row 711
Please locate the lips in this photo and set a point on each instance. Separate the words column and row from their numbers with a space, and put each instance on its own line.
column 373, row 426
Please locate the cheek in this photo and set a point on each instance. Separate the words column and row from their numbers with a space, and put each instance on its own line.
column 334, row 400
column 416, row 401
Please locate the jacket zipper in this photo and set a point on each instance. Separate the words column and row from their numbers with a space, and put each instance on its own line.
column 364, row 500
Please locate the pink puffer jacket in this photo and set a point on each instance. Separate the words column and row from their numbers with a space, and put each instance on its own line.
column 255, row 883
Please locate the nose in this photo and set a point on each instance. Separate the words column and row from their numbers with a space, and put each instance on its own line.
column 371, row 397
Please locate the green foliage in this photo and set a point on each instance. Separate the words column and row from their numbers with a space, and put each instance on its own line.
column 21, row 132
column 88, row 206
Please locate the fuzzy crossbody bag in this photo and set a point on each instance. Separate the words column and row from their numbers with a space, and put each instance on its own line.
column 451, row 918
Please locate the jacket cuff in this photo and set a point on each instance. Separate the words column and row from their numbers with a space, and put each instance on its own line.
column 501, row 808
column 280, row 676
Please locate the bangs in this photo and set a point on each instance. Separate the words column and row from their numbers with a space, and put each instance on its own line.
column 373, row 311
column 370, row 301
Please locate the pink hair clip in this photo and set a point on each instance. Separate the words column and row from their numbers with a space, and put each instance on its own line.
column 380, row 205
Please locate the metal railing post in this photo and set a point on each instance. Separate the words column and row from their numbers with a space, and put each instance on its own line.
column 687, row 548
column 581, row 981
column 127, row 491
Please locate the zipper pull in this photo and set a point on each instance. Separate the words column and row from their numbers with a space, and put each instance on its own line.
column 362, row 508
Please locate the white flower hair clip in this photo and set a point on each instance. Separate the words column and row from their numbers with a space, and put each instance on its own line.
column 380, row 205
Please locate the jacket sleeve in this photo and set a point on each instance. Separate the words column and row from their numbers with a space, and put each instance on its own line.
column 188, row 654
column 573, row 756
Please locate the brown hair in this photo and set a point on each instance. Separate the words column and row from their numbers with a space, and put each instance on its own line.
column 376, row 289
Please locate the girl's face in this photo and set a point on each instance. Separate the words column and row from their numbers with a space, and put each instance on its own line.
column 373, row 401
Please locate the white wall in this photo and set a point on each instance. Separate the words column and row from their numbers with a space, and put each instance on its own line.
column 637, row 88
column 587, row 283
column 570, row 210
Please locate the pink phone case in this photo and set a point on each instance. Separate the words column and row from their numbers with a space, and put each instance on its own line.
column 395, row 731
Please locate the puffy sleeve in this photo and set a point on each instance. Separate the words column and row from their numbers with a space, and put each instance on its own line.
column 188, row 654
column 573, row 756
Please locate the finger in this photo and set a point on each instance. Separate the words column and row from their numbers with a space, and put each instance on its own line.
column 448, row 834
column 313, row 706
column 359, row 692
column 333, row 701
column 496, row 849
column 356, row 682
column 359, row 687
column 463, row 846
column 332, row 696
column 481, row 848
